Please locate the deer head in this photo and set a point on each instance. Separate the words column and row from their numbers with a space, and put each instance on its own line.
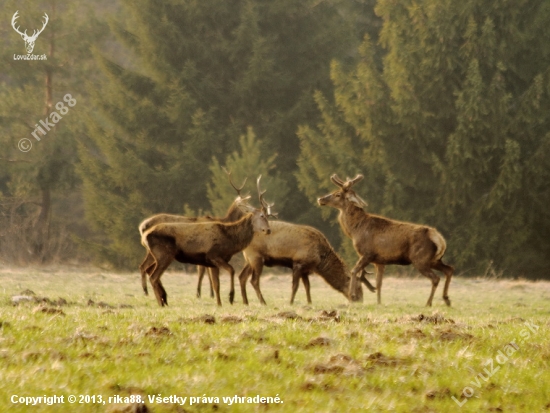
column 343, row 196
column 29, row 40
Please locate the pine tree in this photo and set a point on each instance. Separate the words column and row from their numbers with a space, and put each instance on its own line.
column 203, row 73
column 452, row 130
column 37, row 175
column 248, row 163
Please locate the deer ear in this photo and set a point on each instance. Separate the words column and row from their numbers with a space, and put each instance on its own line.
column 356, row 200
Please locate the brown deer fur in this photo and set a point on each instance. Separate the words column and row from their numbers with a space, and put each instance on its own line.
column 234, row 213
column 303, row 249
column 210, row 244
column 383, row 241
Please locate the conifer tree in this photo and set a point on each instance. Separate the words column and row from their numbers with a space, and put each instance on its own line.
column 452, row 130
column 39, row 126
column 247, row 163
column 203, row 73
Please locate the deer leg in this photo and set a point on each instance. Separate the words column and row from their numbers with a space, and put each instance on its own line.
column 307, row 287
column 243, row 278
column 214, row 274
column 297, row 273
column 160, row 292
column 379, row 274
column 448, row 271
column 200, row 272
column 257, row 267
column 226, row 266
column 359, row 266
column 232, row 287
column 210, row 284
column 295, row 283
column 145, row 264
column 427, row 272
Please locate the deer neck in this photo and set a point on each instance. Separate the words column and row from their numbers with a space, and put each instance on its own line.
column 334, row 271
column 350, row 219
column 241, row 232
column 233, row 214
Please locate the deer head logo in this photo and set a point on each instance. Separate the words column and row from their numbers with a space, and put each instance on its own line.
column 29, row 40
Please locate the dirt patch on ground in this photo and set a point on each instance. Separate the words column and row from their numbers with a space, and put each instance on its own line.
column 320, row 342
column 158, row 332
column 232, row 319
column 435, row 318
column 340, row 364
column 450, row 334
column 438, row 393
column 32, row 298
column 379, row 359
column 254, row 336
column 324, row 315
column 413, row 333
column 288, row 315
column 48, row 310
column 205, row 318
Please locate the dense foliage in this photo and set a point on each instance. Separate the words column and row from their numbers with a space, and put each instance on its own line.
column 40, row 200
column 453, row 130
column 204, row 73
column 444, row 107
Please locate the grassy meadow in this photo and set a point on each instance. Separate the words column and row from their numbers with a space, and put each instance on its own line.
column 89, row 332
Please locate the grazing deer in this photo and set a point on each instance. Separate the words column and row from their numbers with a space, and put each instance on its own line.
column 29, row 40
column 210, row 244
column 303, row 249
column 234, row 213
column 298, row 247
column 383, row 241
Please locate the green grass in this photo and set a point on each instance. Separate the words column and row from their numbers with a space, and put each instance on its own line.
column 357, row 358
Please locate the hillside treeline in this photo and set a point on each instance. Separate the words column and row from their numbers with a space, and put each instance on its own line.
column 443, row 106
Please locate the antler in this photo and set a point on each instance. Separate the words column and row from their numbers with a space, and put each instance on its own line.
column 264, row 204
column 232, row 184
column 13, row 19
column 260, row 193
column 337, row 181
column 350, row 182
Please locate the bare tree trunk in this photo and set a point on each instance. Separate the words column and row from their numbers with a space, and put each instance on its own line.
column 43, row 223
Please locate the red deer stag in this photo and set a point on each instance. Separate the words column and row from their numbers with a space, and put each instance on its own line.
column 210, row 244
column 234, row 213
column 383, row 241
column 303, row 249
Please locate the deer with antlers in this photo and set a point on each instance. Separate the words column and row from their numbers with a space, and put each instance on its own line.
column 301, row 248
column 29, row 40
column 234, row 213
column 210, row 244
column 384, row 241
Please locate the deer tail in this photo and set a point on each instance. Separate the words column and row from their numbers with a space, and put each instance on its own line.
column 439, row 242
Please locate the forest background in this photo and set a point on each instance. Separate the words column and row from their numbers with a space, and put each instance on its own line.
column 444, row 106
